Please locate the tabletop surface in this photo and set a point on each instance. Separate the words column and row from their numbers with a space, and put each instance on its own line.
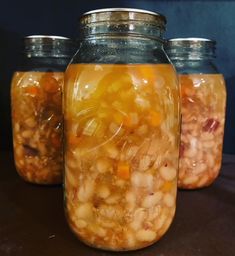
column 32, row 221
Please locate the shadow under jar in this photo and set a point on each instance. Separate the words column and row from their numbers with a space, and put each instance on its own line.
column 36, row 100
column 203, row 110
column 121, row 109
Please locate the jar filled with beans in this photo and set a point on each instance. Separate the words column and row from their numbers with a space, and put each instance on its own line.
column 36, row 100
column 203, row 110
column 121, row 107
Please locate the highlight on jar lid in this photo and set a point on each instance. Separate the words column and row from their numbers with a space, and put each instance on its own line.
column 192, row 42
column 49, row 45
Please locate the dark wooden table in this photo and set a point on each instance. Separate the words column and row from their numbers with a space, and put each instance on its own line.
column 32, row 220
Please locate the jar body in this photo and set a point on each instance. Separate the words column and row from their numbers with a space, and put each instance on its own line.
column 121, row 145
column 203, row 110
column 203, row 117
column 36, row 101
column 37, row 125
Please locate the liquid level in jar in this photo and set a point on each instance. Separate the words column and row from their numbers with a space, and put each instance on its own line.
column 37, row 125
column 121, row 154
column 203, row 116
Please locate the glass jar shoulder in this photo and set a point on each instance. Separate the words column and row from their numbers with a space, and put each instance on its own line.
column 42, row 64
column 121, row 51
column 195, row 67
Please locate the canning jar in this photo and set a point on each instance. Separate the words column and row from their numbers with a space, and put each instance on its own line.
column 203, row 110
column 121, row 110
column 36, row 98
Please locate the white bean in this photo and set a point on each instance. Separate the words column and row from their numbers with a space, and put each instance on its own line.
column 27, row 134
column 169, row 200
column 81, row 223
column 112, row 151
column 84, row 211
column 103, row 165
column 199, row 168
column 151, row 200
column 142, row 180
column 30, row 122
column 139, row 216
column 168, row 173
column 103, row 191
column 146, row 235
column 161, row 219
column 144, row 163
column 190, row 179
column 86, row 191
column 131, row 198
column 209, row 144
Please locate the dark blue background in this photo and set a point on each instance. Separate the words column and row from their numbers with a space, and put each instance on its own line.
column 211, row 19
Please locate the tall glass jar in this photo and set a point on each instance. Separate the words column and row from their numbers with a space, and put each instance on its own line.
column 203, row 110
column 36, row 97
column 121, row 131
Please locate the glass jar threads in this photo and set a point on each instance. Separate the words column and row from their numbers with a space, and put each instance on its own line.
column 36, row 98
column 203, row 110
column 121, row 109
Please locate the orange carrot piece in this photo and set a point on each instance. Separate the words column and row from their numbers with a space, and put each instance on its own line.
column 32, row 90
column 49, row 84
column 73, row 140
column 56, row 141
column 123, row 170
column 154, row 118
column 127, row 121
column 131, row 120
column 167, row 186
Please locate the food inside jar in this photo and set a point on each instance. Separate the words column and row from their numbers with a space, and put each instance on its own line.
column 121, row 153
column 203, row 117
column 37, row 125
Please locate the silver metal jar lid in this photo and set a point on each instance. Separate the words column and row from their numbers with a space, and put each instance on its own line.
column 45, row 38
column 40, row 45
column 123, row 14
column 190, row 42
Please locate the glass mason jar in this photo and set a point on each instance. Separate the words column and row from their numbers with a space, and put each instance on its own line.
column 203, row 110
column 36, row 99
column 121, row 110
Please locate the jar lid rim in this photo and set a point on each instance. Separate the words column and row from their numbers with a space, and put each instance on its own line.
column 191, row 39
column 190, row 42
column 122, row 10
column 52, row 37
column 122, row 14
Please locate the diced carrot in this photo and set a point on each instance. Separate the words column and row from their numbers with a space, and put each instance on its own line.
column 73, row 140
column 187, row 86
column 154, row 118
column 118, row 118
column 32, row 90
column 131, row 120
column 56, row 140
column 49, row 84
column 123, row 170
column 167, row 186
column 127, row 121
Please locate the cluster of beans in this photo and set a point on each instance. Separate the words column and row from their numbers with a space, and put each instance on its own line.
column 121, row 156
column 37, row 126
column 203, row 116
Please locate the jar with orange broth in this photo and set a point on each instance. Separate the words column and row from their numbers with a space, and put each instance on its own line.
column 121, row 110
column 36, row 100
column 203, row 110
